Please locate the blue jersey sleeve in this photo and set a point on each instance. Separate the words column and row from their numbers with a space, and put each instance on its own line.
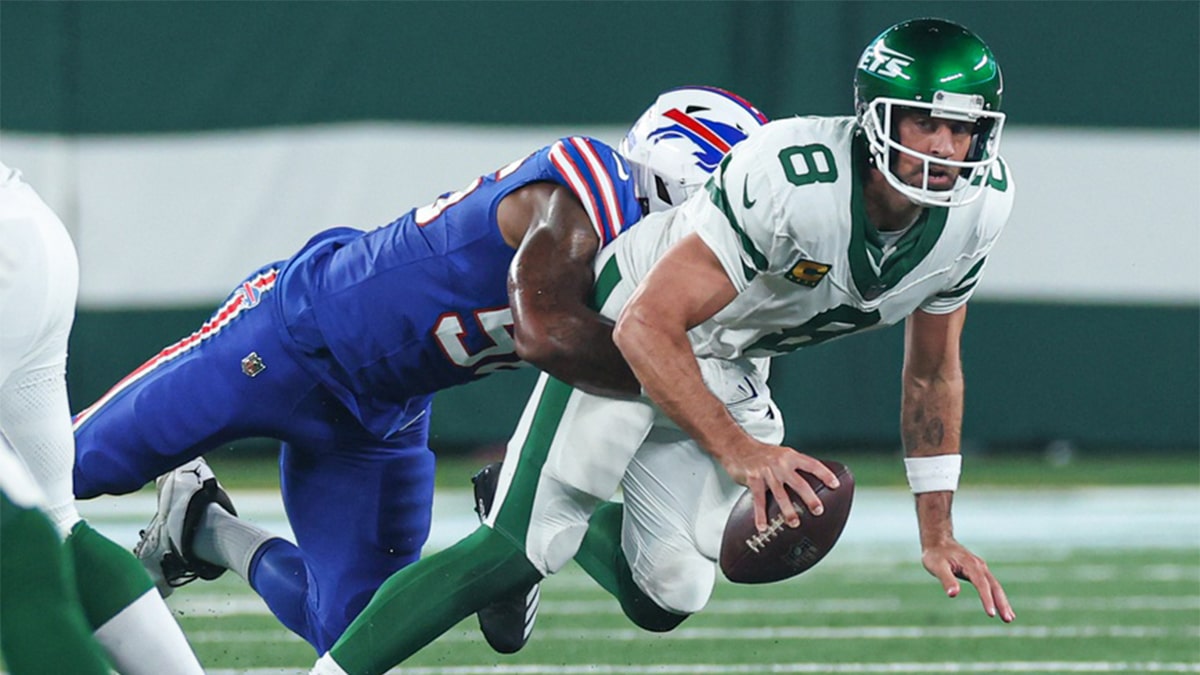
column 421, row 304
column 601, row 179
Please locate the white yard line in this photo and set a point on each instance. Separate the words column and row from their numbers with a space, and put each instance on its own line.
column 796, row 633
column 211, row 605
column 920, row 668
column 1020, row 530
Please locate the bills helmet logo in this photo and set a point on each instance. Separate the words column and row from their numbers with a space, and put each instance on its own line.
column 711, row 138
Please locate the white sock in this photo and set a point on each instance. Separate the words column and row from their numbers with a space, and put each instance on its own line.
column 226, row 540
column 123, row 639
column 327, row 666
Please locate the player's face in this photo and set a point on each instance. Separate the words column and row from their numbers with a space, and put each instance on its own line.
column 936, row 137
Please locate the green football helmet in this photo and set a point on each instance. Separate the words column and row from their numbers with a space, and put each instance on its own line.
column 939, row 66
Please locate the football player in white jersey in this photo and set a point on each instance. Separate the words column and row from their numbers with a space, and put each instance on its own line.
column 811, row 229
column 44, row 604
column 818, row 228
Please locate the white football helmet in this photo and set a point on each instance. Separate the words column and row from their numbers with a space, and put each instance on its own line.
column 680, row 140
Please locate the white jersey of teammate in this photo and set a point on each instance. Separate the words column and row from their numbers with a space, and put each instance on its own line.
column 785, row 216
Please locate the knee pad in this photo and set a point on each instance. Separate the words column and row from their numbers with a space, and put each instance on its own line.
column 643, row 610
column 680, row 585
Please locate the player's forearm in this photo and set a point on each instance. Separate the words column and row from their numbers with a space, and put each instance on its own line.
column 665, row 365
column 931, row 425
column 554, row 327
column 931, row 410
column 578, row 349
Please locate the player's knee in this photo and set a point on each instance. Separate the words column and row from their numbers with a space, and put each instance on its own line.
column 558, row 549
column 500, row 550
column 646, row 611
column 681, row 586
column 64, row 516
column 98, row 474
column 651, row 617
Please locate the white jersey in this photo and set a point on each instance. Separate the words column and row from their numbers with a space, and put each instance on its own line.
column 785, row 215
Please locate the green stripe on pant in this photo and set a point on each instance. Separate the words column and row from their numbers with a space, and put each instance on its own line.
column 515, row 512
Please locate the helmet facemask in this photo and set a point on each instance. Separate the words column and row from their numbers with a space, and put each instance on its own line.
column 878, row 121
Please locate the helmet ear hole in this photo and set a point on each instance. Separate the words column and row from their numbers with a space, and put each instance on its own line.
column 660, row 186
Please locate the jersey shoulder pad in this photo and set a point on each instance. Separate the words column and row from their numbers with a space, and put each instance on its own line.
column 996, row 204
column 792, row 186
column 811, row 129
column 602, row 181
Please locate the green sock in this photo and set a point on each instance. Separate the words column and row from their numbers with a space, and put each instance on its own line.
column 422, row 601
column 110, row 578
column 42, row 628
column 600, row 555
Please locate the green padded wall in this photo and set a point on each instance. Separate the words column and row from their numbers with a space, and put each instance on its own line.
column 1120, row 374
column 1035, row 373
column 91, row 67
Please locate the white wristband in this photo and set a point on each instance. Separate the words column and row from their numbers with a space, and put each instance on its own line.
column 933, row 474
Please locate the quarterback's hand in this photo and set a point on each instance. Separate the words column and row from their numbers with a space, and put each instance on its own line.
column 951, row 561
column 768, row 468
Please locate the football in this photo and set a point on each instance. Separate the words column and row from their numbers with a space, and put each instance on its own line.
column 752, row 557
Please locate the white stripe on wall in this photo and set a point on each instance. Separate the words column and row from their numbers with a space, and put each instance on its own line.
column 1100, row 215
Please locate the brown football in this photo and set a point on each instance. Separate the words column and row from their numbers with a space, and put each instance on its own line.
column 752, row 557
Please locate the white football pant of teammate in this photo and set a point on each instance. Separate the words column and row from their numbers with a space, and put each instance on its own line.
column 39, row 277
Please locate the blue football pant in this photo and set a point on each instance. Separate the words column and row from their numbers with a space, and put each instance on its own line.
column 359, row 505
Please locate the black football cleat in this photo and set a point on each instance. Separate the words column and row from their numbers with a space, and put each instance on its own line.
column 507, row 623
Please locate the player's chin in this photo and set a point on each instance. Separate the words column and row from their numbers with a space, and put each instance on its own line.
column 938, row 182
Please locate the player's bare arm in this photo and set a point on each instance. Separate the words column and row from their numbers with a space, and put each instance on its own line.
column 685, row 288
column 931, row 424
column 549, row 284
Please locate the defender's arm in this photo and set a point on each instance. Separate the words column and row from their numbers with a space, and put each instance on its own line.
column 549, row 286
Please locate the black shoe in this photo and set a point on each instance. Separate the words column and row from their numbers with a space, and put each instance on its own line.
column 506, row 623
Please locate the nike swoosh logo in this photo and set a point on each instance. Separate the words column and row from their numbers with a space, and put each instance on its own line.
column 621, row 173
column 746, row 201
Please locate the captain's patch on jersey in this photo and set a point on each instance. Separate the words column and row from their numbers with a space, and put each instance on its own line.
column 807, row 272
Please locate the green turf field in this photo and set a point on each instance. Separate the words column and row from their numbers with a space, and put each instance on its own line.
column 1086, row 602
column 1083, row 611
column 1100, row 556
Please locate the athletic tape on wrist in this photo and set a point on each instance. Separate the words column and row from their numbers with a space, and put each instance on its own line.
column 933, row 474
